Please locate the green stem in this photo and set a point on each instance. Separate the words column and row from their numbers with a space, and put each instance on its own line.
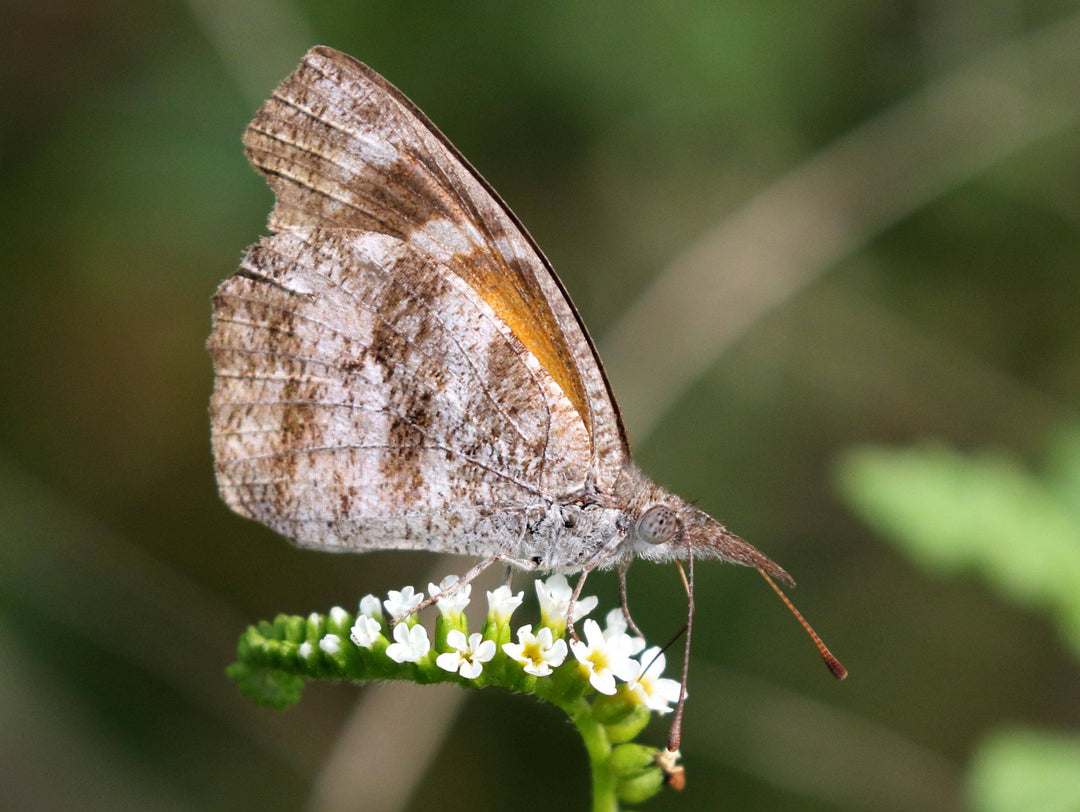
column 599, row 749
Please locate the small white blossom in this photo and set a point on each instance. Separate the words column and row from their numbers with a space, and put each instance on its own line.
column 365, row 631
column 604, row 659
column 538, row 653
column 305, row 649
column 455, row 602
column 371, row 606
column 410, row 643
column 339, row 615
column 554, row 595
column 655, row 691
column 331, row 644
column 502, row 603
column 615, row 624
column 400, row 604
column 468, row 656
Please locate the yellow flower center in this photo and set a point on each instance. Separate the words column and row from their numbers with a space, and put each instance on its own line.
column 532, row 652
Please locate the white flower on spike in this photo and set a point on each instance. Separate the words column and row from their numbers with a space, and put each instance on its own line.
column 399, row 604
column 554, row 595
column 331, row 644
column 455, row 602
column 501, row 604
column 615, row 624
column 605, row 659
column 539, row 653
column 338, row 616
column 371, row 606
column 468, row 655
column 655, row 691
column 365, row 631
column 305, row 649
column 410, row 643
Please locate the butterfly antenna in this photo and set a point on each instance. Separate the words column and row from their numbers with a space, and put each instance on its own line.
column 831, row 662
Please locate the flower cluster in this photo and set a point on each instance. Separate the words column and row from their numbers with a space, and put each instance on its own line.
column 608, row 681
column 604, row 657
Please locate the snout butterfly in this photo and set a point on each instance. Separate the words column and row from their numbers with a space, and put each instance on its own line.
column 398, row 367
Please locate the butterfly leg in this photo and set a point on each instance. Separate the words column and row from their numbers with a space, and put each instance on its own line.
column 625, row 605
column 588, row 566
column 520, row 563
column 573, row 602
column 673, row 772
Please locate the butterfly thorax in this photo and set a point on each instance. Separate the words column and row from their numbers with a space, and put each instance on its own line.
column 637, row 519
column 569, row 536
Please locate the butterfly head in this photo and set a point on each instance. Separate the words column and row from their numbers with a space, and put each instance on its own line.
column 669, row 528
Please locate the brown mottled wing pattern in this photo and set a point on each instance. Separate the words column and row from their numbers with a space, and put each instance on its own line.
column 343, row 147
column 378, row 383
column 366, row 397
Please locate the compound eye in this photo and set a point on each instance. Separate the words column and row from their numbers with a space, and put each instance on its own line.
column 658, row 525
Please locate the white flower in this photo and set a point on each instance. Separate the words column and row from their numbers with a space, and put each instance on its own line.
column 410, row 643
column 305, row 649
column 468, row 656
column 604, row 659
column 370, row 606
column 400, row 604
column 554, row 595
column 655, row 691
column 331, row 644
column 339, row 616
column 615, row 624
column 539, row 653
column 365, row 631
column 502, row 603
column 455, row 602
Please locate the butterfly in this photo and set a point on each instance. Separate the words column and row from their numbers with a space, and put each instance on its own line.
column 398, row 366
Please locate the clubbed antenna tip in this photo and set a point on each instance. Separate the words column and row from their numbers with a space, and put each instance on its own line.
column 833, row 664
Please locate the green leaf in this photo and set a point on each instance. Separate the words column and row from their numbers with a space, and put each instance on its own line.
column 1026, row 769
column 981, row 513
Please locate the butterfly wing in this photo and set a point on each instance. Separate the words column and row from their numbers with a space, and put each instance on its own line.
column 343, row 148
column 367, row 397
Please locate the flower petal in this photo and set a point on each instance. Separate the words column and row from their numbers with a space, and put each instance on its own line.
column 470, row 669
column 455, row 638
column 448, row 661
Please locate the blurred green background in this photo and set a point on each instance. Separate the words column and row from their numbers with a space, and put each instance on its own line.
column 808, row 237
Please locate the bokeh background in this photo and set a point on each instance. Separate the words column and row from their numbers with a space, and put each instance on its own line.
column 831, row 254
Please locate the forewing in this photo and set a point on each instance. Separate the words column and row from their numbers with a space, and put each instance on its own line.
column 366, row 396
column 341, row 147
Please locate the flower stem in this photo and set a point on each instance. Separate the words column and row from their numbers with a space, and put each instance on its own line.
column 599, row 749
